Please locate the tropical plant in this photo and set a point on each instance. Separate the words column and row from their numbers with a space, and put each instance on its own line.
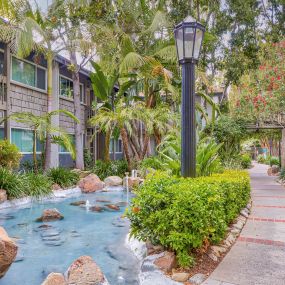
column 261, row 158
column 104, row 169
column 41, row 125
column 245, row 161
column 38, row 185
column 274, row 161
column 9, row 155
column 63, row 177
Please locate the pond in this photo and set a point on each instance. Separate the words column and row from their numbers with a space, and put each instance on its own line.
column 100, row 235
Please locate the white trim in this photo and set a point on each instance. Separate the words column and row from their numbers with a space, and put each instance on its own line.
column 27, row 129
column 23, row 84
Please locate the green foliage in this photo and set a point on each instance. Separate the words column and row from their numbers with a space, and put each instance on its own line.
column 111, row 168
column 230, row 133
column 38, row 185
column 88, row 160
column 27, row 184
column 9, row 155
column 261, row 159
column 245, row 161
column 282, row 175
column 184, row 214
column 63, row 177
column 13, row 183
column 273, row 160
column 28, row 165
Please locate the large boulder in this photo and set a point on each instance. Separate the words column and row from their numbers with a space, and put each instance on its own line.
column 49, row 215
column 8, row 252
column 166, row 262
column 85, row 271
column 55, row 279
column 273, row 171
column 3, row 195
column 113, row 181
column 91, row 183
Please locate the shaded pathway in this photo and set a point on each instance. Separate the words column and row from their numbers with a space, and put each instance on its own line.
column 258, row 256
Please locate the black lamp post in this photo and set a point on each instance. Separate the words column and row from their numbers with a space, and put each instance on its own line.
column 188, row 36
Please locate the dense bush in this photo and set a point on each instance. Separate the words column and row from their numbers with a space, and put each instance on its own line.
column 273, row 160
column 245, row 161
column 63, row 177
column 26, row 184
column 113, row 168
column 88, row 160
column 28, row 165
column 184, row 214
column 9, row 154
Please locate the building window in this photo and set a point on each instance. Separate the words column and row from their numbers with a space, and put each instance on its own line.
column 62, row 149
column 2, row 116
column 28, row 74
column 1, row 133
column 1, row 62
column 23, row 139
column 118, row 146
column 66, row 89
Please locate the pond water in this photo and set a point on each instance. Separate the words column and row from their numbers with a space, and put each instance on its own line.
column 100, row 235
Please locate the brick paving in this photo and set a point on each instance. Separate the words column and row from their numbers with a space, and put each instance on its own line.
column 258, row 256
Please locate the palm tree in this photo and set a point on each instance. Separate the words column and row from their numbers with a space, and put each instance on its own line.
column 42, row 125
column 19, row 31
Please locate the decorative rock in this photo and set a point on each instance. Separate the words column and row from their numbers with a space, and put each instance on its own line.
column 121, row 204
column 113, row 207
column 50, row 215
column 102, row 201
column 151, row 249
column 91, row 183
column 235, row 231
column 180, row 276
column 213, row 256
column 275, row 169
column 238, row 225
column 198, row 279
column 137, row 247
column 3, row 195
column 96, row 209
column 248, row 206
column 113, row 181
column 218, row 249
column 8, row 252
column 132, row 182
column 78, row 203
column 55, row 279
column 56, row 187
column 167, row 262
column 244, row 213
column 84, row 271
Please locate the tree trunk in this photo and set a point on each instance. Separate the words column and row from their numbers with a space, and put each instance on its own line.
column 107, row 146
column 124, row 137
column 47, row 163
column 35, row 152
column 79, row 161
column 145, row 147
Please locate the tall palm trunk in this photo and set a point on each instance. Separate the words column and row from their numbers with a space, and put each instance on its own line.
column 124, row 137
column 107, row 146
column 47, row 163
column 35, row 152
column 79, row 161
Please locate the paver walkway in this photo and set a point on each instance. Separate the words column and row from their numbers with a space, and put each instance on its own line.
column 258, row 256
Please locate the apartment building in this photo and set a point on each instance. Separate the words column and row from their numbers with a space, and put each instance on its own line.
column 23, row 88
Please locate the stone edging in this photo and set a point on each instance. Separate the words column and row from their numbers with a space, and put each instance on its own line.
column 151, row 274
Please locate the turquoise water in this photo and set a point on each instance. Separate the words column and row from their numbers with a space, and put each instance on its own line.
column 81, row 232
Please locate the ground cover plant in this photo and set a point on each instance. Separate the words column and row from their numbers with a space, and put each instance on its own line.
column 186, row 214
column 63, row 177
column 110, row 168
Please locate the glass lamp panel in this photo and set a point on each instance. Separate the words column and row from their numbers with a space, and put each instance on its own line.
column 198, row 42
column 188, row 41
column 179, row 43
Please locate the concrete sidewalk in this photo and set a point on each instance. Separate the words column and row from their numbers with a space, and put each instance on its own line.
column 258, row 256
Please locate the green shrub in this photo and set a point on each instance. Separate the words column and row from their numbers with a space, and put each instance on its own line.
column 245, row 161
column 113, row 168
column 28, row 165
column 88, row 160
column 63, row 177
column 38, row 185
column 9, row 155
column 273, row 160
column 183, row 214
column 14, row 183
column 261, row 159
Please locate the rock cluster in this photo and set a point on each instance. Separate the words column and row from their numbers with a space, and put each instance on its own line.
column 49, row 215
column 113, row 181
column 3, row 196
column 82, row 271
column 274, row 170
column 8, row 252
column 133, row 182
column 91, row 183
